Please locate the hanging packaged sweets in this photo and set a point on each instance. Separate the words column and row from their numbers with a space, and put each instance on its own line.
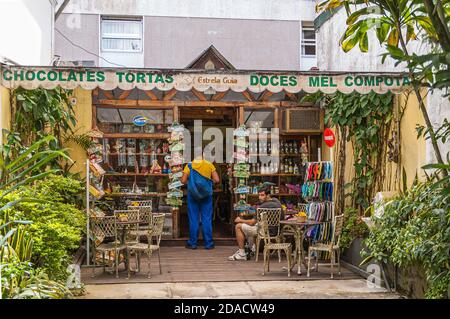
column 175, row 145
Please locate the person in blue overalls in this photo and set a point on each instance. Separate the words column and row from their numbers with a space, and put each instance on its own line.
column 199, row 199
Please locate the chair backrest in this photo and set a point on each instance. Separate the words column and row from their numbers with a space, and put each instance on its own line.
column 131, row 214
column 338, row 225
column 157, row 228
column 102, row 227
column 273, row 217
column 145, row 213
column 139, row 203
column 263, row 225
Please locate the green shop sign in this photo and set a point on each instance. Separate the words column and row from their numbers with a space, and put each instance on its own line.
column 185, row 80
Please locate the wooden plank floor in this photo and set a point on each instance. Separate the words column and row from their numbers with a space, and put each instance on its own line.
column 184, row 265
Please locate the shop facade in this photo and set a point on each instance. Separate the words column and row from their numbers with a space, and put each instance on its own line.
column 130, row 112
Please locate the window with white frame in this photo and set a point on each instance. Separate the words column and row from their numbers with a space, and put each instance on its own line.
column 308, row 40
column 121, row 35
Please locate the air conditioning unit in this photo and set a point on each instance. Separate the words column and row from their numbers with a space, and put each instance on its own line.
column 302, row 120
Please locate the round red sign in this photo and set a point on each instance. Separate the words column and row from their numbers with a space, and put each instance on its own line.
column 328, row 137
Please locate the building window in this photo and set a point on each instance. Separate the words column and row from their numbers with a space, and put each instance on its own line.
column 308, row 41
column 121, row 35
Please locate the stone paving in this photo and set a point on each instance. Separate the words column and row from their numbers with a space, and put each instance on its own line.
column 351, row 288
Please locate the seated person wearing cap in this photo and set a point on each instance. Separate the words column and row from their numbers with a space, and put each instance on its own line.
column 247, row 228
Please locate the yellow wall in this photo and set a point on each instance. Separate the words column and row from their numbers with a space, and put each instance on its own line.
column 5, row 110
column 83, row 113
column 413, row 150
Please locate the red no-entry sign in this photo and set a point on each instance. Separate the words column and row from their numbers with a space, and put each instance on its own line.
column 328, row 137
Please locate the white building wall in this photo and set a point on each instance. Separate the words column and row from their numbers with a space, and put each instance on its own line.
column 245, row 31
column 224, row 9
column 331, row 57
column 26, row 31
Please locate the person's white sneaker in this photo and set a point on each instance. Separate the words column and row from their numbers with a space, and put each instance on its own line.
column 237, row 256
column 254, row 248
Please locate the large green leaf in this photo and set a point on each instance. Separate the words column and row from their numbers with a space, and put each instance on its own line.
column 350, row 43
column 382, row 32
column 364, row 43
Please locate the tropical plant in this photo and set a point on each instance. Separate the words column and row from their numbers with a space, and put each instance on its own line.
column 396, row 22
column 41, row 112
column 57, row 223
column 16, row 244
column 366, row 119
column 354, row 227
column 29, row 166
column 415, row 230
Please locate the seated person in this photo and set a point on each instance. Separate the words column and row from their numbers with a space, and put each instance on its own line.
column 247, row 228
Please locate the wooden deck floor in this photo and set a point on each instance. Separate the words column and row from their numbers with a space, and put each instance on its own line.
column 183, row 265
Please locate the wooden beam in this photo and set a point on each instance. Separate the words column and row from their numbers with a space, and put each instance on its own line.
column 292, row 96
column 169, row 95
column 265, row 96
column 151, row 95
column 109, row 95
column 199, row 95
column 219, row 96
column 241, row 115
column 176, row 114
column 171, row 104
column 276, row 118
column 248, row 96
column 125, row 94
column 137, row 135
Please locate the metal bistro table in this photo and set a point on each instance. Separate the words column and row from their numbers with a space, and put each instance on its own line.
column 123, row 225
column 298, row 229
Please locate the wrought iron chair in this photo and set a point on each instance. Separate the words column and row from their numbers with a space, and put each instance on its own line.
column 332, row 247
column 145, row 216
column 273, row 219
column 154, row 233
column 270, row 246
column 132, row 217
column 140, row 203
column 106, row 227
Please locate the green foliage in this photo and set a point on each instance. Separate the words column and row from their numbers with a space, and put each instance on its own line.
column 415, row 229
column 25, row 168
column 367, row 118
column 354, row 227
column 41, row 112
column 21, row 281
column 21, row 186
column 83, row 140
column 57, row 222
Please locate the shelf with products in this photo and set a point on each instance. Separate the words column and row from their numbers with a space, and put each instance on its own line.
column 121, row 120
column 136, row 194
column 137, row 154
column 285, row 174
column 156, row 136
column 136, row 174
column 133, row 168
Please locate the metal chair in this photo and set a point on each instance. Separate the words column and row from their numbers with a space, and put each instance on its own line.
column 133, row 217
column 270, row 246
column 106, row 227
column 273, row 219
column 155, row 232
column 145, row 216
column 140, row 203
column 332, row 247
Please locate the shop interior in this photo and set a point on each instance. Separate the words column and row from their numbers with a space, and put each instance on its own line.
column 134, row 154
